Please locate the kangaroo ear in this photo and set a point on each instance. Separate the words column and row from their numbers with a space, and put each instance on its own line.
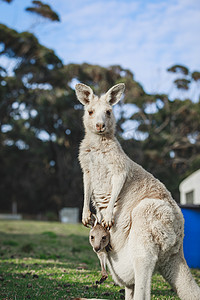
column 114, row 94
column 83, row 93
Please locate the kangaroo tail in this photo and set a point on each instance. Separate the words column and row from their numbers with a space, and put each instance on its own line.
column 177, row 273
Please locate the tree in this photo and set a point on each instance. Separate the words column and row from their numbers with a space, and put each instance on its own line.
column 184, row 77
column 172, row 144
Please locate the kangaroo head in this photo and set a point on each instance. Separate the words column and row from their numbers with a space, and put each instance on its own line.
column 98, row 117
column 99, row 237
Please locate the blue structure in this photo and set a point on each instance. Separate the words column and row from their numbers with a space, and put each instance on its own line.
column 191, row 242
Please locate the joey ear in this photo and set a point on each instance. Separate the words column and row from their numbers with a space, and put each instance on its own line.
column 114, row 94
column 96, row 222
column 83, row 93
column 93, row 220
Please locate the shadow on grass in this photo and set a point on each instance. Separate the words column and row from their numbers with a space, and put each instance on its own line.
column 39, row 279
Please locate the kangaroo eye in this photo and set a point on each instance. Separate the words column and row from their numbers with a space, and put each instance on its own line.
column 90, row 112
column 104, row 238
column 92, row 237
column 108, row 112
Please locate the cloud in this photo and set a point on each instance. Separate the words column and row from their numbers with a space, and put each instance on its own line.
column 144, row 36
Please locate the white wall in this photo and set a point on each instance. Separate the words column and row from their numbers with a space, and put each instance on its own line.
column 191, row 183
column 69, row 215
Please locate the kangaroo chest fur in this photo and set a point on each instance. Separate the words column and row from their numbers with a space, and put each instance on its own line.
column 100, row 173
column 100, row 161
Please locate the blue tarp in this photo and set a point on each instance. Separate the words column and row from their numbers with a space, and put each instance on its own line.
column 191, row 242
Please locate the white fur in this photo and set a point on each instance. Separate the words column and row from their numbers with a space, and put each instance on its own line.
column 147, row 226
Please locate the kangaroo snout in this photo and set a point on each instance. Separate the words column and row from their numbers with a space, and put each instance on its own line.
column 97, row 249
column 100, row 126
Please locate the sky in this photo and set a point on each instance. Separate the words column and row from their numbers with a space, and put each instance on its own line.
column 145, row 36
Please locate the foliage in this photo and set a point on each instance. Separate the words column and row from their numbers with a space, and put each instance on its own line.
column 8, row 1
column 172, row 146
column 196, row 75
column 178, row 69
column 44, row 10
column 41, row 260
column 186, row 78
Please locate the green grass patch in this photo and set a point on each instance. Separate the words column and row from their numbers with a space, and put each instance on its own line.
column 50, row 234
column 10, row 243
column 43, row 260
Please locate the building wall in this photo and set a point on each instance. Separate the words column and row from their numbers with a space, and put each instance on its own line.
column 69, row 215
column 190, row 189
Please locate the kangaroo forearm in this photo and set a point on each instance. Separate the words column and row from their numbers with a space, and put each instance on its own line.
column 117, row 184
column 87, row 190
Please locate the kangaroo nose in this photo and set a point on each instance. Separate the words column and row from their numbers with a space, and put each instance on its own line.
column 100, row 126
column 97, row 249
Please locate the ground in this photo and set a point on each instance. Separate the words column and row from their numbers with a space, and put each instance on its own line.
column 50, row 260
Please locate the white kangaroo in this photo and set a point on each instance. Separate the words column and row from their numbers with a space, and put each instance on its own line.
column 147, row 226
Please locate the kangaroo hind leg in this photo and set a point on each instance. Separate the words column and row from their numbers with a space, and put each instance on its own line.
column 129, row 293
column 177, row 273
column 144, row 267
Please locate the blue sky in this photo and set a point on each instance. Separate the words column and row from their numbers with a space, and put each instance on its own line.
column 144, row 36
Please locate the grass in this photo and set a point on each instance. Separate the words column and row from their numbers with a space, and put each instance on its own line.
column 43, row 260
